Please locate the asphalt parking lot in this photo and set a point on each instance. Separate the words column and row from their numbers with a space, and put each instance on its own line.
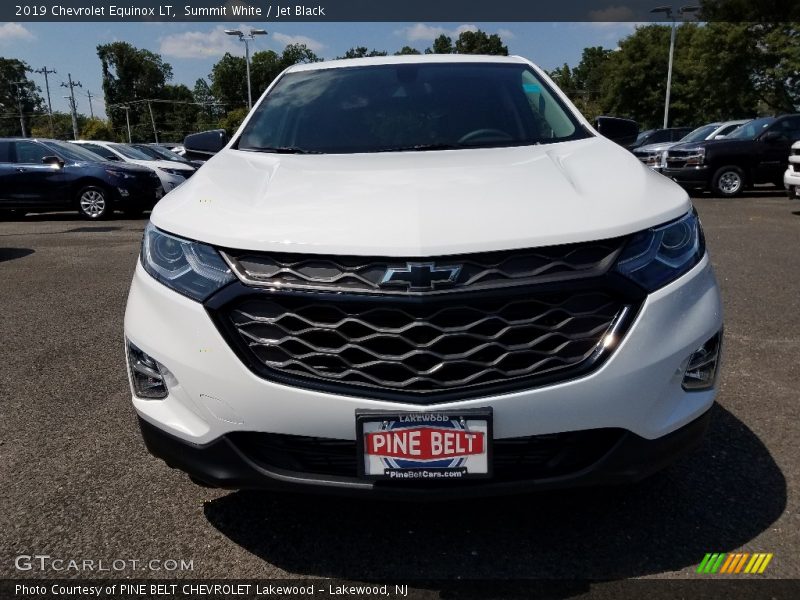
column 77, row 482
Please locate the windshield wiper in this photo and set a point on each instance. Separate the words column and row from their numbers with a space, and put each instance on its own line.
column 421, row 148
column 281, row 149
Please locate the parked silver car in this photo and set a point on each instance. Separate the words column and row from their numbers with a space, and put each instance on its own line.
column 653, row 154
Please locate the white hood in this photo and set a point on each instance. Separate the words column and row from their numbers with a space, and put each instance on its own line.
column 420, row 203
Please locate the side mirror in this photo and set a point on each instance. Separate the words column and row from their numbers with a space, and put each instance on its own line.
column 205, row 143
column 621, row 131
column 53, row 161
column 773, row 136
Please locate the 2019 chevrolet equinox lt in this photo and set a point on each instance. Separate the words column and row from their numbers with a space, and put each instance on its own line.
column 416, row 277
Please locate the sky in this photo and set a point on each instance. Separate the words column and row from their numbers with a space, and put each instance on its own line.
column 192, row 48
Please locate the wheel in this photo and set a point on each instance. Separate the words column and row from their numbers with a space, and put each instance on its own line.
column 728, row 181
column 93, row 203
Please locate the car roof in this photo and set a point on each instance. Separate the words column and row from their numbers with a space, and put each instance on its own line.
column 407, row 59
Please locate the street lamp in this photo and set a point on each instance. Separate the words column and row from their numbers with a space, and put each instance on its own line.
column 667, row 10
column 247, row 38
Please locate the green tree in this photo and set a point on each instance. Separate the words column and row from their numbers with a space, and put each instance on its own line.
column 97, row 129
column 176, row 119
column 479, row 42
column 406, row 50
column 131, row 74
column 362, row 52
column 229, row 81
column 11, row 96
column 230, row 122
column 441, row 45
column 62, row 126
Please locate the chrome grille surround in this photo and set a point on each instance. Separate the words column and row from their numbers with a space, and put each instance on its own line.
column 431, row 347
column 486, row 270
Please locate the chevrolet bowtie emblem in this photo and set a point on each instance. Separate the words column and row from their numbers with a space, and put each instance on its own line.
column 420, row 276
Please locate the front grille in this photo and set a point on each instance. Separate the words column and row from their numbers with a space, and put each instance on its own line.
column 522, row 458
column 510, row 320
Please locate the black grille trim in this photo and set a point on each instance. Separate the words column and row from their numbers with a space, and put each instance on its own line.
column 514, row 459
column 627, row 297
column 479, row 271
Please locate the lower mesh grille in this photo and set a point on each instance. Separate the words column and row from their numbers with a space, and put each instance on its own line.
column 422, row 346
column 523, row 458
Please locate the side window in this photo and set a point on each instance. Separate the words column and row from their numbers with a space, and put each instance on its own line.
column 792, row 125
column 100, row 151
column 30, row 153
column 5, row 152
column 660, row 136
column 727, row 129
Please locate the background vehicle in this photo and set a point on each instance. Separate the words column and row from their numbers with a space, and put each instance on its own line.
column 757, row 152
column 791, row 178
column 657, row 136
column 171, row 174
column 653, row 154
column 40, row 175
column 160, row 152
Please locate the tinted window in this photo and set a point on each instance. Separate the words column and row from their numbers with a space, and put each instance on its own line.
column 727, row 129
column 30, row 153
column 699, row 134
column 751, row 129
column 5, row 152
column 100, row 151
column 679, row 133
column 129, row 152
column 409, row 106
column 790, row 127
column 71, row 152
column 664, row 135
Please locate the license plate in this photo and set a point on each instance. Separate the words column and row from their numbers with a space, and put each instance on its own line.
column 424, row 446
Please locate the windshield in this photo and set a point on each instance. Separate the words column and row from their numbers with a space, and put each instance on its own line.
column 751, row 129
column 73, row 152
column 129, row 152
column 643, row 135
column 160, row 153
column 417, row 106
column 700, row 133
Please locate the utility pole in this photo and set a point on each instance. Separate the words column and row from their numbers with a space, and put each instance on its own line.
column 20, row 84
column 152, row 120
column 72, row 85
column 45, row 71
column 91, row 110
column 127, row 110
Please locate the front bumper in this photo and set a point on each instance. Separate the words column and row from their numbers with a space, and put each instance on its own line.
column 691, row 177
column 213, row 394
column 791, row 180
column 221, row 463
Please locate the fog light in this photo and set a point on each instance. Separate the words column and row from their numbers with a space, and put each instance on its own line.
column 146, row 375
column 701, row 372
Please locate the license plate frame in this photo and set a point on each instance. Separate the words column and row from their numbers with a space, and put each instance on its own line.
column 479, row 419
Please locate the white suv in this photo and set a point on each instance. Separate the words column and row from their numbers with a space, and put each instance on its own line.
column 791, row 178
column 421, row 276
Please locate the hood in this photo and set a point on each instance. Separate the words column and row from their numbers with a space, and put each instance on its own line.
column 164, row 164
column 648, row 148
column 715, row 143
column 420, row 203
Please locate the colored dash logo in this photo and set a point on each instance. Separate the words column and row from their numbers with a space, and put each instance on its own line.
column 742, row 562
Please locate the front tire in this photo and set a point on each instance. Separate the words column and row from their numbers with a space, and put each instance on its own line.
column 93, row 203
column 728, row 181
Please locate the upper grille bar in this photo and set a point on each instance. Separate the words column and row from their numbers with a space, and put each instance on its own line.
column 480, row 271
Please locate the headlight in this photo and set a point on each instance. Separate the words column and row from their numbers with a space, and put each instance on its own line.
column 190, row 268
column 654, row 257
column 119, row 174
column 697, row 157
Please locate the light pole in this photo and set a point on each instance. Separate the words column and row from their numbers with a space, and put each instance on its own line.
column 247, row 38
column 667, row 10
column 127, row 110
column 73, row 105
